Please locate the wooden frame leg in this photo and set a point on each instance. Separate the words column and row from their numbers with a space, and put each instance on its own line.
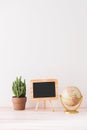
column 44, row 104
column 51, row 105
column 37, row 105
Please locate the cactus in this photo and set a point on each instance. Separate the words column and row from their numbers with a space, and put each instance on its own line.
column 19, row 87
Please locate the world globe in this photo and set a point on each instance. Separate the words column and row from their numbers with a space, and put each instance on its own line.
column 71, row 98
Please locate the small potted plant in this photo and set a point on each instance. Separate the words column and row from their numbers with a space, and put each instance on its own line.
column 19, row 90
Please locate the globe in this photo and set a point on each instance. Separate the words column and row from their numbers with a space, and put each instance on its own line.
column 71, row 98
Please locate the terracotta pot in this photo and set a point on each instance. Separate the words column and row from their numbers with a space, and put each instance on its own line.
column 19, row 103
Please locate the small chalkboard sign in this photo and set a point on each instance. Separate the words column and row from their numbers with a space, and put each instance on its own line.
column 44, row 89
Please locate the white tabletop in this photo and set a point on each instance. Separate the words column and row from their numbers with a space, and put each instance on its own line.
column 29, row 119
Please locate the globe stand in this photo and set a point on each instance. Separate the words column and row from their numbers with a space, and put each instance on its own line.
column 71, row 111
column 68, row 110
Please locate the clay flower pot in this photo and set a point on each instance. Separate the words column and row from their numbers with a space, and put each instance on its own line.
column 19, row 103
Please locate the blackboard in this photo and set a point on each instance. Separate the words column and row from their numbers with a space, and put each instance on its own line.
column 44, row 89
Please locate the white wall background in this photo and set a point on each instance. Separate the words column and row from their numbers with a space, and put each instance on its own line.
column 43, row 39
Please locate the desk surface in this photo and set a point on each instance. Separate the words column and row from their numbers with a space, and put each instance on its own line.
column 29, row 119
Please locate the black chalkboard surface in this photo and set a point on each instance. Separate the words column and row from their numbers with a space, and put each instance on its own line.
column 44, row 89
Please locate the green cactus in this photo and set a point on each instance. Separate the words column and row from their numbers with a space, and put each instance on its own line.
column 19, row 87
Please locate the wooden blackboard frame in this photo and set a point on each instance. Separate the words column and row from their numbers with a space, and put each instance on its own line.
column 40, row 81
